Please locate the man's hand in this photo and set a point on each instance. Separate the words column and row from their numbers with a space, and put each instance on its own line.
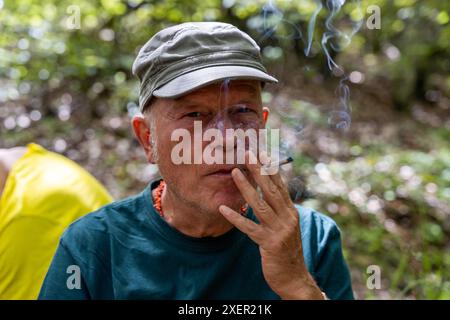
column 278, row 233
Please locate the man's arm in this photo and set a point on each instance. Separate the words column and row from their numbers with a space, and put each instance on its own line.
column 330, row 269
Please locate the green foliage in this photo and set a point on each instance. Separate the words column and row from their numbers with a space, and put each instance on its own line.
column 393, row 207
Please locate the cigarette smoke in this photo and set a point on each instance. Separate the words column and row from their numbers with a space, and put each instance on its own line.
column 332, row 40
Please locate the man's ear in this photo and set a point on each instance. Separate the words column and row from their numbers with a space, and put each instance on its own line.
column 142, row 132
column 265, row 115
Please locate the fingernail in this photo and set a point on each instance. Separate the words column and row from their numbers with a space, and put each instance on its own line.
column 264, row 158
column 224, row 210
column 237, row 173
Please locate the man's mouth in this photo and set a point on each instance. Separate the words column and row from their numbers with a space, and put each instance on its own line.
column 223, row 172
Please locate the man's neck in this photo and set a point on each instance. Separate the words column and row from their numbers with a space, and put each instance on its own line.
column 189, row 220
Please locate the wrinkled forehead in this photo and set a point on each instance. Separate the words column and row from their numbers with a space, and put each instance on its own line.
column 218, row 94
column 225, row 90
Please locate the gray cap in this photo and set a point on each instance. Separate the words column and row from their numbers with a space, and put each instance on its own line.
column 185, row 57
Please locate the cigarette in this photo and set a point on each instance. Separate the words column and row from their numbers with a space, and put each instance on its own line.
column 280, row 163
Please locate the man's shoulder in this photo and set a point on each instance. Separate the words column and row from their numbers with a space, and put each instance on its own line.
column 322, row 249
column 101, row 222
column 318, row 231
column 312, row 220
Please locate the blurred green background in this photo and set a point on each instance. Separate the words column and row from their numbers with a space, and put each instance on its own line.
column 65, row 83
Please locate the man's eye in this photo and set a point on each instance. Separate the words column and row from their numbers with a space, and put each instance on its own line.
column 195, row 114
column 243, row 109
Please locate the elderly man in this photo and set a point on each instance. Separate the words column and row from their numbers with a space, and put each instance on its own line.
column 203, row 231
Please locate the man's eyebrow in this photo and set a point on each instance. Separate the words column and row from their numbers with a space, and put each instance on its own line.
column 188, row 103
column 245, row 86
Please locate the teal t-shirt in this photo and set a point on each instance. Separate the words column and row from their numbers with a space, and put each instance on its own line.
column 125, row 250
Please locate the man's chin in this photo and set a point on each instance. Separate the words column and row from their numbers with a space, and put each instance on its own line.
column 233, row 201
column 223, row 192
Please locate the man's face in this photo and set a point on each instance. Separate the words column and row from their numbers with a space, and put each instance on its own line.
column 226, row 105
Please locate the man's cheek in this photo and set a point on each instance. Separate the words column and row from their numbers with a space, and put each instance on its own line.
column 167, row 152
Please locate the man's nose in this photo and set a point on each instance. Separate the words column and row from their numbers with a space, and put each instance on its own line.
column 221, row 122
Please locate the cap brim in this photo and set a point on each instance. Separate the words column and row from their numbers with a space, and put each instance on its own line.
column 199, row 78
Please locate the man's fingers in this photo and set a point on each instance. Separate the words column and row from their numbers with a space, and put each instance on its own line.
column 270, row 190
column 278, row 181
column 262, row 210
column 247, row 226
column 276, row 177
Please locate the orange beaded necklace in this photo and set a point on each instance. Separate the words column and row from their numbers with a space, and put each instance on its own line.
column 158, row 194
column 157, row 200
